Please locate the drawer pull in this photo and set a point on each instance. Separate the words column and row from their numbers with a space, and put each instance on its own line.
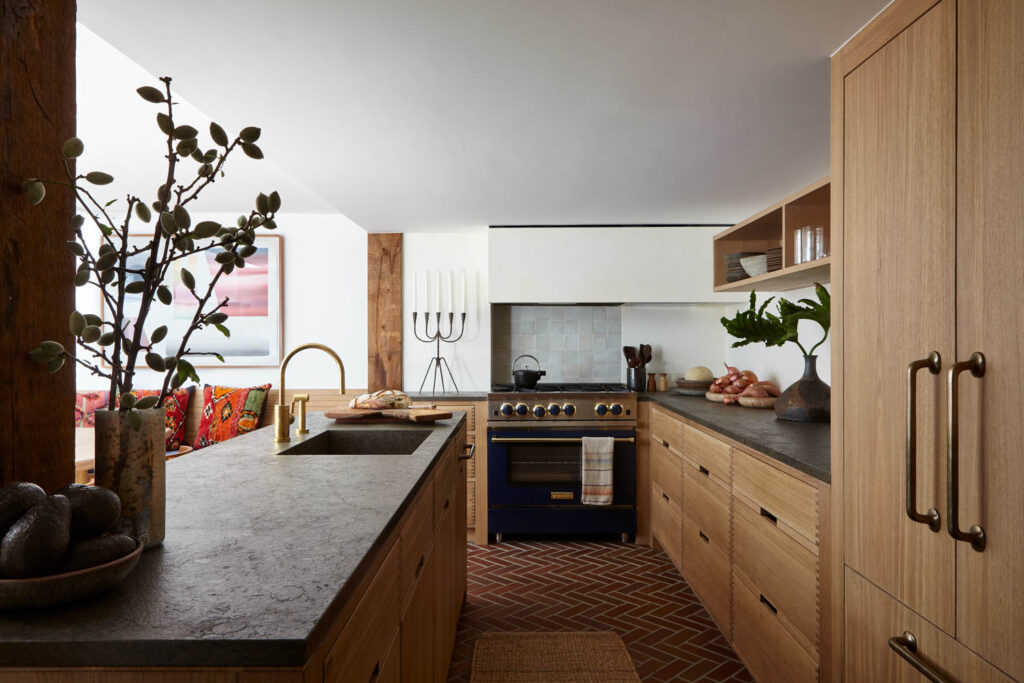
column 469, row 453
column 375, row 674
column 665, row 496
column 906, row 647
column 703, row 470
column 703, row 536
column 419, row 567
column 664, row 443
column 446, row 501
column 769, row 516
column 768, row 603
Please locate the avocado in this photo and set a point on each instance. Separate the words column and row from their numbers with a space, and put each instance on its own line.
column 36, row 544
column 16, row 499
column 94, row 509
column 93, row 552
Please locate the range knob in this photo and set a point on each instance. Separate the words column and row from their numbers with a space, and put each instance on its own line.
column 554, row 409
column 507, row 410
column 616, row 409
column 538, row 411
column 601, row 409
column 522, row 410
column 569, row 409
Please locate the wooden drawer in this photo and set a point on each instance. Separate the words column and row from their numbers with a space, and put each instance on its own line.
column 708, row 452
column 666, row 429
column 444, row 480
column 417, row 536
column 468, row 408
column 667, row 472
column 793, row 503
column 706, row 569
column 784, row 571
column 707, row 504
column 362, row 646
column 873, row 616
column 666, row 524
column 765, row 645
column 471, row 504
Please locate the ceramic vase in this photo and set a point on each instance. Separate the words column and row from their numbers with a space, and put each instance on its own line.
column 807, row 400
column 636, row 379
column 130, row 462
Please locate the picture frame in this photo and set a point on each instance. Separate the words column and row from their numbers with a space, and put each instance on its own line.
column 255, row 307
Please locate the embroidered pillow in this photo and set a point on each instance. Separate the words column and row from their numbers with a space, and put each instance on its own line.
column 86, row 405
column 228, row 412
column 175, row 409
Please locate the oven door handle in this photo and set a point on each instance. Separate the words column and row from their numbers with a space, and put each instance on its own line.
column 553, row 439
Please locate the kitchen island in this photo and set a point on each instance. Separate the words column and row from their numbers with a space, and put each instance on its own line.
column 264, row 559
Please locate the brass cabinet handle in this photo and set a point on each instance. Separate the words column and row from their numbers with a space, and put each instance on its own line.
column 470, row 452
column 975, row 535
column 906, row 646
column 934, row 363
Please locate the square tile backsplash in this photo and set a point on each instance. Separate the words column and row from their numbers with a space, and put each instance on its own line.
column 572, row 343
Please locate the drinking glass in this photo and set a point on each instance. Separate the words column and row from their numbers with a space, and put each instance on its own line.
column 807, row 244
column 820, row 248
column 798, row 253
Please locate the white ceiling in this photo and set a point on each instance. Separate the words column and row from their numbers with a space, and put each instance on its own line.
column 442, row 115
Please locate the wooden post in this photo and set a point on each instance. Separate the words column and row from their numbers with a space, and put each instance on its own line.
column 37, row 113
column 384, row 310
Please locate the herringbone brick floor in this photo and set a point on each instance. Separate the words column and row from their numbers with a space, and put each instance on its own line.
column 584, row 586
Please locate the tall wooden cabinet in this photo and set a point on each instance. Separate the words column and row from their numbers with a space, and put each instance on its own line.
column 928, row 225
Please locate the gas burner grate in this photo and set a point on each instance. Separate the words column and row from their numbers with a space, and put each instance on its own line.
column 578, row 388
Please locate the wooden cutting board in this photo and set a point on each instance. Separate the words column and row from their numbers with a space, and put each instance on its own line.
column 366, row 415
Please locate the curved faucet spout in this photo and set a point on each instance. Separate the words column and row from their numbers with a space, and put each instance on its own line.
column 282, row 414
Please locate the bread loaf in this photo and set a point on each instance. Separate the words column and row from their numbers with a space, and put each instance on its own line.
column 381, row 400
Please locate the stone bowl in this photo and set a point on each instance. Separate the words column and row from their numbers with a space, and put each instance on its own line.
column 56, row 589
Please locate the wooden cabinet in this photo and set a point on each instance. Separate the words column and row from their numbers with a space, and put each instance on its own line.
column 927, row 147
column 475, row 493
column 449, row 564
column 666, row 488
column 418, row 646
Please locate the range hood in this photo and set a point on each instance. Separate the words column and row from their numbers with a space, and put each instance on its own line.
column 597, row 265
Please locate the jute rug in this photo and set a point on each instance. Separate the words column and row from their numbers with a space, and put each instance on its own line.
column 574, row 657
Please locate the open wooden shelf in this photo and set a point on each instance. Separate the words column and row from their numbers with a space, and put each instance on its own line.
column 774, row 227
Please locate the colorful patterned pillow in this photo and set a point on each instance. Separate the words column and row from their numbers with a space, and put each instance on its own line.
column 176, row 408
column 228, row 412
column 86, row 405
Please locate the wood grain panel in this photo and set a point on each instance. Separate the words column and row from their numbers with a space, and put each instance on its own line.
column 793, row 503
column 154, row 675
column 384, row 312
column 666, row 525
column 707, row 504
column 899, row 175
column 707, row 569
column 667, row 473
column 873, row 616
column 666, row 429
column 704, row 450
column 643, row 473
column 990, row 266
column 417, row 536
column 765, row 646
column 37, row 92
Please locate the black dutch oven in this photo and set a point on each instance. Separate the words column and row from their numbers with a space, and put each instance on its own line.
column 526, row 378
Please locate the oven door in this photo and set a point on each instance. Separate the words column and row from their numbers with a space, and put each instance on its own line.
column 543, row 467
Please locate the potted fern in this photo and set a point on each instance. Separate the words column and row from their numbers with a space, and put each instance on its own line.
column 809, row 399
column 131, row 279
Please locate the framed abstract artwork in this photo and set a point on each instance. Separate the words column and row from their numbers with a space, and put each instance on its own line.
column 255, row 306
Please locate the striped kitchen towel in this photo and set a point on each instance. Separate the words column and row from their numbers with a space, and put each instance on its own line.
column 598, row 457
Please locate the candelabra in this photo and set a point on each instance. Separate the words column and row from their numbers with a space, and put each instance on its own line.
column 438, row 363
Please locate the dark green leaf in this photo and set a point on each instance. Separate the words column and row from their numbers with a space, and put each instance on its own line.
column 210, row 156
column 107, row 205
column 252, row 151
column 106, row 249
column 77, row 221
column 106, row 339
column 219, row 357
column 269, row 224
column 107, row 277
column 275, row 201
column 76, row 323
column 223, row 330
column 93, row 319
column 147, row 402
column 38, row 355
column 52, row 348
column 163, row 293
column 216, row 318
column 55, row 365
column 170, row 362
column 135, row 287
column 206, row 229
column 81, row 278
column 246, row 237
column 28, row 181
column 176, row 380
column 218, row 135
column 90, row 334
column 241, row 221
column 164, row 121
column 186, row 371
column 197, row 156
column 127, row 400
column 76, row 248
column 35, row 191
column 246, row 251
column 184, row 132
column 163, row 193
column 262, row 203
column 250, row 134
column 73, row 148
column 181, row 217
column 158, row 334
column 106, row 261
column 167, row 223
column 150, row 94
column 99, row 178
column 187, row 147
column 224, row 257
column 188, row 279
column 205, row 170
column 228, row 268
column 155, row 361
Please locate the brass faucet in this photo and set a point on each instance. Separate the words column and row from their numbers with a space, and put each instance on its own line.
column 283, row 412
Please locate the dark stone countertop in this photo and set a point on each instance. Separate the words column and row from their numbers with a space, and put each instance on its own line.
column 804, row 446
column 261, row 553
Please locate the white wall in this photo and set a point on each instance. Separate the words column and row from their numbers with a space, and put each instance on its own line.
column 785, row 364
column 324, row 301
column 681, row 336
column 470, row 357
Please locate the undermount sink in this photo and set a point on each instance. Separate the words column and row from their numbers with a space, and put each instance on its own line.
column 360, row 442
